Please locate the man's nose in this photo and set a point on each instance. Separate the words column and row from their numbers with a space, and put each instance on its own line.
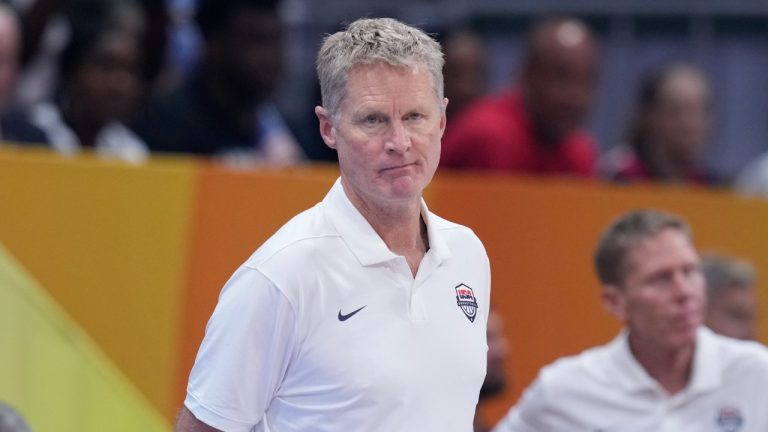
column 397, row 140
column 687, row 284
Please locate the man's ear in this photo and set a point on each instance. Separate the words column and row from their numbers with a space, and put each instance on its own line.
column 613, row 300
column 327, row 131
column 443, row 118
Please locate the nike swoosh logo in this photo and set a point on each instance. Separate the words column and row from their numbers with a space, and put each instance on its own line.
column 343, row 317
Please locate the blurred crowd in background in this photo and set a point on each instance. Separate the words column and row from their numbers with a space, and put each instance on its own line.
column 133, row 78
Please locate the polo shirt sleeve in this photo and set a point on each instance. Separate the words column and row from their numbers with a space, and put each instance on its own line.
column 248, row 344
column 529, row 414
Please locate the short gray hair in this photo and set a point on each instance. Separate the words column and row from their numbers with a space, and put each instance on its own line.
column 626, row 232
column 367, row 41
column 724, row 273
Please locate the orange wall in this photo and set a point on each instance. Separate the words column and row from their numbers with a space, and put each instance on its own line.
column 540, row 235
column 138, row 254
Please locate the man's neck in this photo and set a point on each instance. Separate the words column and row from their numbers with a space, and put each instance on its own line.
column 399, row 226
column 672, row 369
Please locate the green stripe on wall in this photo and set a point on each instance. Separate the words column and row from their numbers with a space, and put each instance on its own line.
column 52, row 372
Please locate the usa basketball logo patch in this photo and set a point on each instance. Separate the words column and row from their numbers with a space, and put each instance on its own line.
column 729, row 419
column 466, row 300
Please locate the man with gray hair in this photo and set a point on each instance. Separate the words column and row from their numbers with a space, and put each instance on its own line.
column 367, row 312
column 665, row 371
column 731, row 296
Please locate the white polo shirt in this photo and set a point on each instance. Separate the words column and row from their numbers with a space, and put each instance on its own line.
column 325, row 329
column 605, row 389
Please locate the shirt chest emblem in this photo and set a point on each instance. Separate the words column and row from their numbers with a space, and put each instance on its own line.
column 729, row 419
column 465, row 299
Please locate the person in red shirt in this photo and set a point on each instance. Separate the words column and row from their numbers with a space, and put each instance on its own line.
column 538, row 127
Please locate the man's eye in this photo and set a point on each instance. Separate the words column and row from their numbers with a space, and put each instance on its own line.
column 371, row 120
column 414, row 116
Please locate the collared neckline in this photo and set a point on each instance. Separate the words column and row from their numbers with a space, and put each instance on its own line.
column 707, row 366
column 367, row 246
column 633, row 376
column 629, row 373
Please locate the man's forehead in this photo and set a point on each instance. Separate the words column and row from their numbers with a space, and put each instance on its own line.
column 657, row 247
column 369, row 82
column 380, row 66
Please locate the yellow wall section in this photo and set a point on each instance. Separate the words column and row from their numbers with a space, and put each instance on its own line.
column 53, row 374
column 108, row 241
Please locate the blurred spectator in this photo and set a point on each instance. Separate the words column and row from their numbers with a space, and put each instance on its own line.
column 225, row 110
column 48, row 27
column 100, row 87
column 11, row 421
column 669, row 130
column 465, row 71
column 14, row 126
column 732, row 297
column 495, row 375
column 537, row 127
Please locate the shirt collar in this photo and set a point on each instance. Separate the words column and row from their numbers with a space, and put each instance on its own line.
column 632, row 376
column 629, row 373
column 707, row 367
column 363, row 240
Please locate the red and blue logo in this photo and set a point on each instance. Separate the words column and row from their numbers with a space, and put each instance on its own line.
column 467, row 302
column 729, row 419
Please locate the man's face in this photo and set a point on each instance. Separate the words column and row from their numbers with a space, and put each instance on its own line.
column 662, row 298
column 560, row 84
column 681, row 119
column 732, row 312
column 108, row 81
column 249, row 52
column 387, row 133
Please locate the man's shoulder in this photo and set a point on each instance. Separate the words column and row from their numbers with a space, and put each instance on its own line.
column 444, row 225
column 453, row 231
column 739, row 354
column 579, row 372
column 295, row 241
column 494, row 115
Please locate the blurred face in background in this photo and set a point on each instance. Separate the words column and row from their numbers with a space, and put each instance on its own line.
column 732, row 312
column 680, row 119
column 107, row 83
column 560, row 79
column 662, row 297
column 466, row 70
column 9, row 54
column 248, row 54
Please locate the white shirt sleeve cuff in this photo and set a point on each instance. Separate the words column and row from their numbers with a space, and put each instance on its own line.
column 212, row 418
